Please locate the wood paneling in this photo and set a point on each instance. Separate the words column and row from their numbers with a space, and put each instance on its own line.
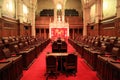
column 74, row 20
column 43, row 20
column 12, row 27
column 108, row 28
column 117, row 26
column 25, row 29
column 8, row 27
column 75, row 23
column 93, row 29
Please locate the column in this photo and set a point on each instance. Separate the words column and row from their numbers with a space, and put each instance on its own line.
column 0, row 11
column 98, row 11
column 19, row 10
column 33, row 19
column 55, row 11
column 44, row 33
column 78, row 31
column 63, row 12
column 55, row 14
column 118, row 8
column 73, row 34
column 40, row 32
column 98, row 16
column 86, row 14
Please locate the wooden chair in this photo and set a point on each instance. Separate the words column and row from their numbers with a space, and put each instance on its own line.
column 71, row 64
column 51, row 67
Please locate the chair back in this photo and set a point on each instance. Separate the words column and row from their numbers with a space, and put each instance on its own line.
column 2, row 56
column 7, row 52
column 16, row 48
column 71, row 60
column 50, row 61
column 103, row 49
column 51, row 65
column 115, row 51
column 55, row 47
column 21, row 46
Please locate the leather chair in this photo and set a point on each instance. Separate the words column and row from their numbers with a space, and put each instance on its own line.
column 16, row 48
column 63, row 47
column 28, row 54
column 71, row 64
column 51, row 67
column 2, row 56
column 7, row 53
column 16, row 61
column 55, row 47
column 115, row 52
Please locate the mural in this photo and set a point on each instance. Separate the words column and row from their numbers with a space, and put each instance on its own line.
column 92, row 13
column 1, row 1
column 109, row 8
column 25, row 13
column 8, row 8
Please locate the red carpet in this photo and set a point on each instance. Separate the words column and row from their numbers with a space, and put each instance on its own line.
column 38, row 69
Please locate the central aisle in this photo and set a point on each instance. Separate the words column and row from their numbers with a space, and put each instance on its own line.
column 38, row 68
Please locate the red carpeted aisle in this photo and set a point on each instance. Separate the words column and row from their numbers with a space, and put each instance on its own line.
column 38, row 69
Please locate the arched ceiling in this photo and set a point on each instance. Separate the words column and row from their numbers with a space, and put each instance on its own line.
column 49, row 4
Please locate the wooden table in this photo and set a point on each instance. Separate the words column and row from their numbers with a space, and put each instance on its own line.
column 61, row 57
column 57, row 54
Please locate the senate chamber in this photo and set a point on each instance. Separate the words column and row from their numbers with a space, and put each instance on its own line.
column 59, row 40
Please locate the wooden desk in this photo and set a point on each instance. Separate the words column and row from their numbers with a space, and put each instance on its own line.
column 28, row 57
column 57, row 54
column 16, row 71
column 5, row 70
column 61, row 57
column 114, row 69
column 59, row 46
column 108, row 68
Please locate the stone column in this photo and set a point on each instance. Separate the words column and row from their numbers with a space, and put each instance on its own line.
column 98, row 11
column 55, row 11
column 73, row 34
column 0, row 11
column 19, row 11
column 44, row 33
column 63, row 12
column 118, row 8
column 98, row 16
column 33, row 19
column 86, row 14
column 40, row 32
